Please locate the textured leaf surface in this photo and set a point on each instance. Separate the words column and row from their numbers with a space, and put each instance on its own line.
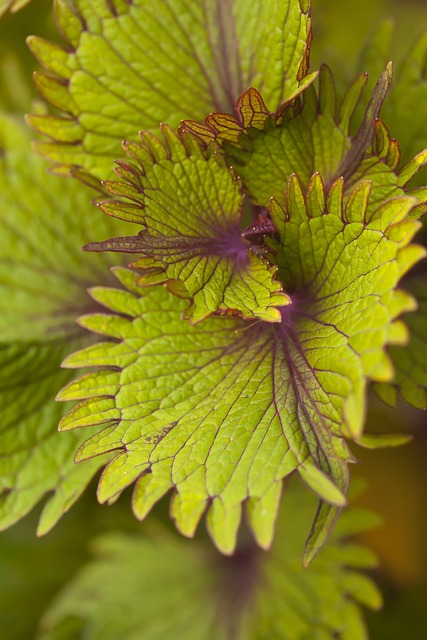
column 35, row 459
column 44, row 223
column 313, row 134
column 191, row 210
column 129, row 66
column 170, row 588
column 222, row 411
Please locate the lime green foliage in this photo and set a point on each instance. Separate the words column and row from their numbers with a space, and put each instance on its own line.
column 312, row 134
column 411, row 361
column 348, row 267
column 252, row 362
column 346, row 262
column 228, row 408
column 191, row 209
column 250, row 596
column 15, row 92
column 205, row 419
column 409, row 95
column 45, row 222
column 133, row 65
column 404, row 109
column 33, row 569
column 42, row 287
column 35, row 459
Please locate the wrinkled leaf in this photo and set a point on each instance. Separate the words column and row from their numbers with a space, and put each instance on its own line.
column 129, row 66
column 191, row 210
column 222, row 411
column 43, row 280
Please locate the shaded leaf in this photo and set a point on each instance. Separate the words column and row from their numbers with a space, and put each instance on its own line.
column 44, row 223
column 35, row 459
column 250, row 596
column 43, row 281
column 34, row 569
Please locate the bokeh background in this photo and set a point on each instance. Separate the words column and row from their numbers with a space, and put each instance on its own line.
column 32, row 571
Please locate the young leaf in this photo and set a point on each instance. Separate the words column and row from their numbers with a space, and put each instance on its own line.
column 191, row 208
column 222, row 411
column 129, row 65
column 312, row 134
column 174, row 589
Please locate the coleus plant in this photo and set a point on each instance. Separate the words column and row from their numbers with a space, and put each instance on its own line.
column 269, row 235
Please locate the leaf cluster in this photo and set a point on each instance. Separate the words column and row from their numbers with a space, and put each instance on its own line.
column 270, row 224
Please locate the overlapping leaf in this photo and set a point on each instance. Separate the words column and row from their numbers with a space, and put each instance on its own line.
column 410, row 362
column 44, row 223
column 35, row 460
column 247, row 597
column 191, row 211
column 312, row 134
column 43, row 280
column 222, row 411
column 404, row 110
column 133, row 65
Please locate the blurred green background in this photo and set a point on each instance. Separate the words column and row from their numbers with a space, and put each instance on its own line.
column 33, row 570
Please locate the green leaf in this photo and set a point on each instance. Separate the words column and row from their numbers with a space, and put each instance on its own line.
column 350, row 259
column 34, row 569
column 229, row 408
column 220, row 418
column 404, row 110
column 191, row 209
column 312, row 134
column 43, row 281
column 129, row 66
column 378, row 441
column 45, row 221
column 410, row 361
column 170, row 588
column 35, row 459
